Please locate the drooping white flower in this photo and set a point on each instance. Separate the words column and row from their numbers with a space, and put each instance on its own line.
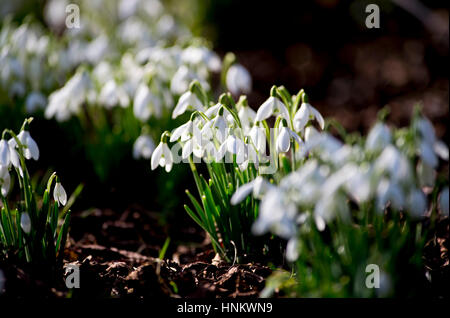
column 271, row 106
column 34, row 102
column 201, row 55
column 284, row 138
column 306, row 113
column 251, row 156
column 379, row 137
column 441, row 149
column 113, row 94
column 13, row 155
column 5, row 180
column 258, row 137
column 426, row 130
column 247, row 118
column 234, row 146
column 145, row 103
column 388, row 191
column 162, row 156
column 258, row 186
column 220, row 128
column 277, row 215
column 393, row 162
column 184, row 132
column 143, row 147
column 68, row 99
column 426, row 175
column 238, row 79
column 292, row 249
column 193, row 146
column 180, row 80
column 187, row 101
column 59, row 194
column 25, row 222
column 331, row 205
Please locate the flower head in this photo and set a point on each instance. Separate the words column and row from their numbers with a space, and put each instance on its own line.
column 238, row 79
column 59, row 194
column 162, row 156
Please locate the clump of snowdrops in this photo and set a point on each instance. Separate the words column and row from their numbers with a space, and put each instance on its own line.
column 32, row 230
column 352, row 204
column 237, row 146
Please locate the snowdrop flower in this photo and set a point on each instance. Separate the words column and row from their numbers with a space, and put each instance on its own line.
column 331, row 205
column 379, row 137
column 304, row 114
column 143, row 147
column 441, row 149
column 234, row 146
column 193, row 146
column 25, row 222
column 184, row 132
column 143, row 102
column 389, row 191
column 310, row 133
column 5, row 180
column 285, row 134
column 259, row 186
column 283, row 140
column 276, row 214
column 198, row 55
column 292, row 250
column 416, row 203
column 162, row 156
column 31, row 149
column 238, row 79
column 394, row 163
column 59, row 194
column 258, row 137
column 35, row 101
column 428, row 155
column 4, row 153
column 271, row 106
column 220, row 127
column 443, row 201
column 250, row 156
column 68, row 99
column 180, row 80
column 113, row 94
column 426, row 175
column 247, row 117
column 359, row 185
column 187, row 101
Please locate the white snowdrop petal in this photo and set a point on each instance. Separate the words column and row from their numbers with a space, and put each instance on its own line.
column 265, row 110
column 241, row 193
column 156, row 156
column 25, row 222
column 4, row 153
column 292, row 250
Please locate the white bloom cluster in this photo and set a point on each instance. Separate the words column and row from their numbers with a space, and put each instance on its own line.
column 233, row 131
column 378, row 174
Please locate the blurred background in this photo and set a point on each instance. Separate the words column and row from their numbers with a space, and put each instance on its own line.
column 323, row 46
